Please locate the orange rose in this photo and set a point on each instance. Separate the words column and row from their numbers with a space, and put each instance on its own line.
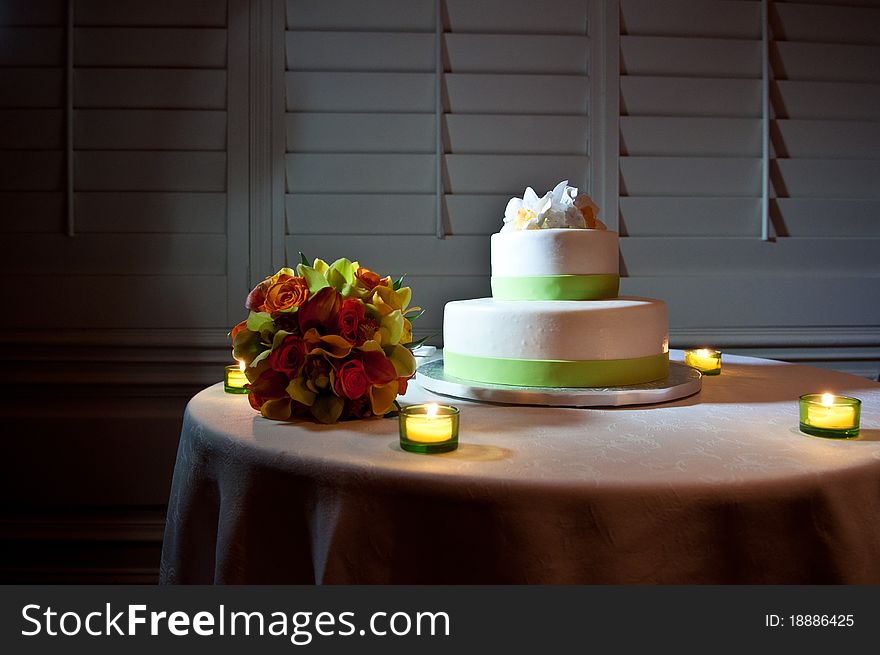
column 367, row 278
column 286, row 293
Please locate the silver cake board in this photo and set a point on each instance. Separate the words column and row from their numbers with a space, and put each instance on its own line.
column 681, row 382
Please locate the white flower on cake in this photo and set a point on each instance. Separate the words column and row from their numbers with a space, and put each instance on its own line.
column 560, row 208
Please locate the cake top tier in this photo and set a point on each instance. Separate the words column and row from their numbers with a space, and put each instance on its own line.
column 562, row 207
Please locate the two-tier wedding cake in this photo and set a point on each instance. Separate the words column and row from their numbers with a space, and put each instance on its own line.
column 554, row 319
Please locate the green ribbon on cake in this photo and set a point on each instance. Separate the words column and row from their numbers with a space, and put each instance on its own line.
column 555, row 287
column 557, row 373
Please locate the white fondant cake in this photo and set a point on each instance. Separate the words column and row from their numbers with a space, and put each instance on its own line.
column 621, row 328
column 554, row 319
column 561, row 251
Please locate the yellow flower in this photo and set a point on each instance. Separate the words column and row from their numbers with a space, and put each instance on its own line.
column 387, row 300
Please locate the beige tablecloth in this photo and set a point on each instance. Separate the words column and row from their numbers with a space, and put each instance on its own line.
column 720, row 487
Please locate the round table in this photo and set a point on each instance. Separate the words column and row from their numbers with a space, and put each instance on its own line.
column 720, row 487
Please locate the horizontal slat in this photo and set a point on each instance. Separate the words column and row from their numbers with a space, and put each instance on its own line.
column 517, row 94
column 690, row 57
column 735, row 217
column 391, row 15
column 527, row 135
column 376, row 92
column 713, row 18
column 159, row 89
column 28, row 12
column 149, row 130
column 494, row 16
column 517, row 16
column 149, row 171
column 183, row 13
column 647, row 256
column 31, row 46
column 360, row 173
column 360, row 51
column 823, row 62
column 844, row 139
column 400, row 173
column 349, row 213
column 157, row 47
column 512, row 173
column 690, row 176
column 809, row 22
column 413, row 255
column 432, row 294
column 393, row 214
column 679, row 96
column 529, row 53
column 826, row 178
column 777, row 301
column 31, row 87
column 31, row 212
column 118, row 254
column 153, row 301
column 151, row 212
column 807, row 217
column 31, row 170
column 480, row 213
column 340, row 132
column 31, row 129
column 827, row 100
column 706, row 137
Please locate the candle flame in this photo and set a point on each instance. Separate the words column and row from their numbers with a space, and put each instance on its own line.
column 827, row 399
column 704, row 352
column 241, row 365
column 432, row 409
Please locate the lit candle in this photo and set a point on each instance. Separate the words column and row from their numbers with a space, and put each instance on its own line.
column 234, row 378
column 705, row 360
column 429, row 428
column 827, row 415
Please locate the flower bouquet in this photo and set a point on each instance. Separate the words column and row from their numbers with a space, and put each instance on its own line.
column 330, row 341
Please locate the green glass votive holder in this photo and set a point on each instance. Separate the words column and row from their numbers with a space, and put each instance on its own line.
column 827, row 415
column 234, row 379
column 429, row 428
column 706, row 360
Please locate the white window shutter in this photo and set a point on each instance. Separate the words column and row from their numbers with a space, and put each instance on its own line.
column 361, row 130
column 691, row 167
column 149, row 160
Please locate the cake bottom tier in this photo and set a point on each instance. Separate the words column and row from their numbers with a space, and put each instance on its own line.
column 602, row 343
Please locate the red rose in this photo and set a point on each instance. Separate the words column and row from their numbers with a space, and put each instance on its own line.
column 351, row 380
column 270, row 385
column 289, row 356
column 351, row 314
